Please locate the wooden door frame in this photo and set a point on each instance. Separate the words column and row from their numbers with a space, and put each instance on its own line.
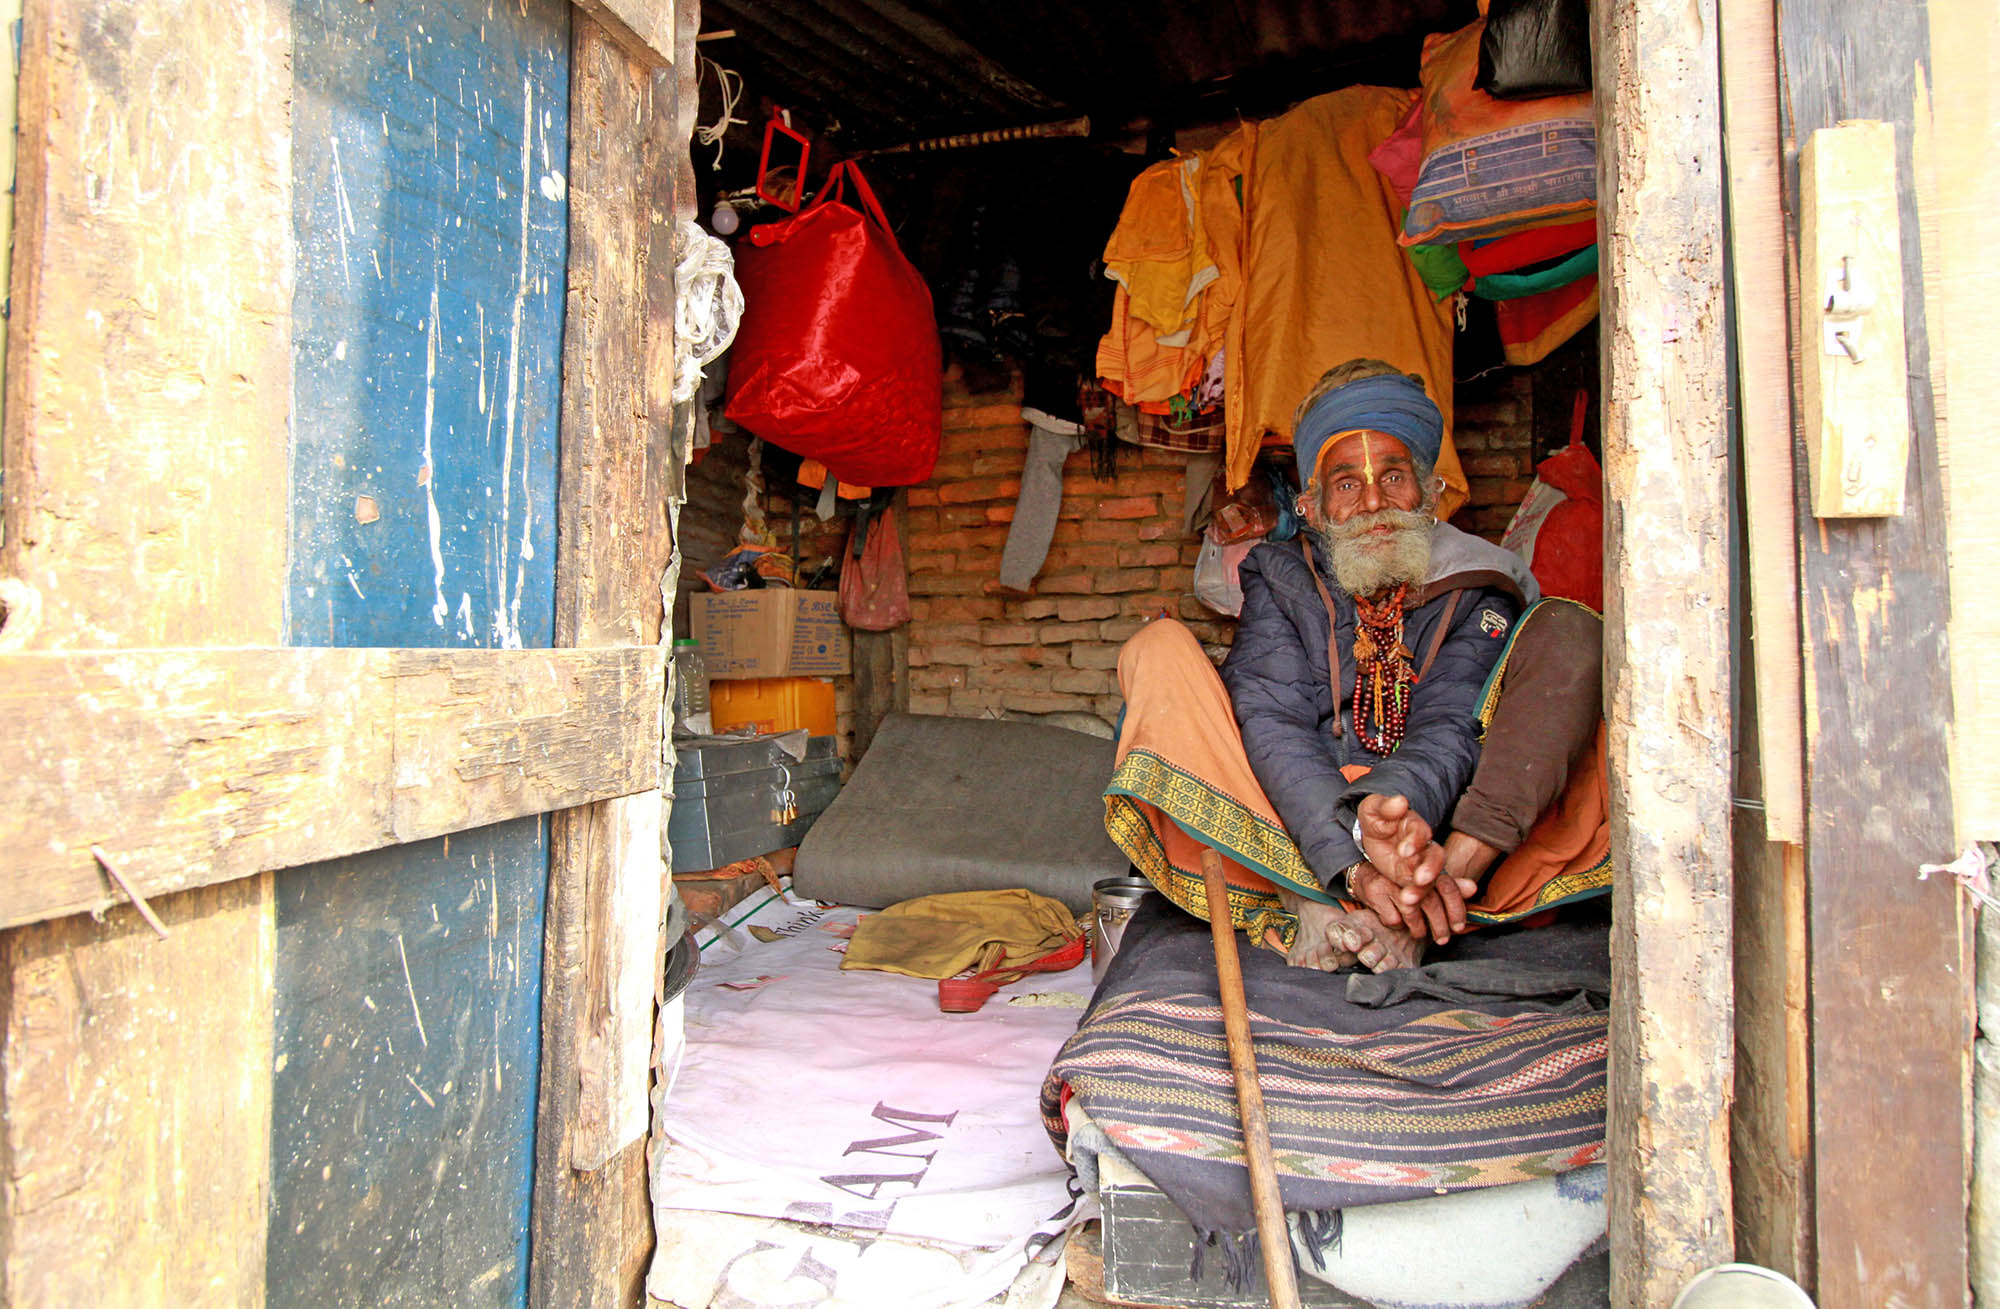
column 624, row 458
column 1666, row 640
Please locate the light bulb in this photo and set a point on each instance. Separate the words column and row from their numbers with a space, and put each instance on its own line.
column 724, row 220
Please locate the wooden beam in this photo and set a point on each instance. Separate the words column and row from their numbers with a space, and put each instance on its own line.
column 191, row 767
column 1666, row 641
column 1890, row 961
column 603, row 952
column 643, row 29
column 1762, row 317
column 146, row 493
column 1771, row 1120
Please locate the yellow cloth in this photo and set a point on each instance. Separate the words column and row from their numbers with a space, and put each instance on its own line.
column 1223, row 181
column 1135, row 367
column 1323, row 278
column 943, row 935
column 1133, row 361
column 1157, row 252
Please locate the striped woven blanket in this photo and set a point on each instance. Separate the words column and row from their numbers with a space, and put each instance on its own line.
column 1434, row 1093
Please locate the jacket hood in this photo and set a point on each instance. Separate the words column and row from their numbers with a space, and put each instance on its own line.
column 1459, row 559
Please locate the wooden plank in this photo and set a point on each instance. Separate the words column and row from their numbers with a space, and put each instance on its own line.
column 1854, row 407
column 141, row 498
column 404, row 1076
column 592, row 1224
column 148, row 398
column 1770, row 1123
column 1762, row 318
column 137, row 1081
column 1965, row 48
column 644, row 29
column 1666, row 642
column 198, row 766
column 1889, row 959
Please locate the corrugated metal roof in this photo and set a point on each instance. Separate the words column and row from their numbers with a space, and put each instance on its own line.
column 892, row 71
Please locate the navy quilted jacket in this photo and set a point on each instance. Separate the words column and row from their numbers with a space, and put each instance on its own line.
column 1279, row 683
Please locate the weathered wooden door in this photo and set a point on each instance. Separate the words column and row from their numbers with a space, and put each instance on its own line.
column 329, row 795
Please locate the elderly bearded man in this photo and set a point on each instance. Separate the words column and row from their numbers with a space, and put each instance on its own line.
column 1398, row 755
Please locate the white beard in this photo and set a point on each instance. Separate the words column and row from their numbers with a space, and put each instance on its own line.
column 1364, row 564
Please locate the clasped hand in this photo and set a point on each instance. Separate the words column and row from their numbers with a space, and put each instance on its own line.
column 1411, row 878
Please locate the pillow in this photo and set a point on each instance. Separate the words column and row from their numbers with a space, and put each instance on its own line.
column 1505, row 254
column 1533, row 325
column 1536, row 278
column 1401, row 157
column 1495, row 166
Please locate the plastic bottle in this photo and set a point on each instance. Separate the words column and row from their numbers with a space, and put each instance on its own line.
column 690, row 688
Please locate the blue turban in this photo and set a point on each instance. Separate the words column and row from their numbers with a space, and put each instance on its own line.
column 1391, row 404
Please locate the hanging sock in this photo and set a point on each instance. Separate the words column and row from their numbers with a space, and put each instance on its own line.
column 1051, row 441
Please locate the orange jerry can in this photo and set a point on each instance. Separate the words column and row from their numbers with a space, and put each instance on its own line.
column 773, row 704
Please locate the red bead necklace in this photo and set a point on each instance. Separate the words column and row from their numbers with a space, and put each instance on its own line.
column 1383, row 673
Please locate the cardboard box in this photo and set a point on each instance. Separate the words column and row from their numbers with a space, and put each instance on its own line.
column 772, row 632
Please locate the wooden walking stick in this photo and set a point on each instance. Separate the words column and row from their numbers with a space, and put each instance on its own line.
column 1272, row 1235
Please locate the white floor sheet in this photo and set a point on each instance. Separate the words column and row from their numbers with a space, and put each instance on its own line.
column 847, row 1100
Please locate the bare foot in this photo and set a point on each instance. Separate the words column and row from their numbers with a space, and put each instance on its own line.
column 1330, row 938
column 1316, row 944
column 1379, row 947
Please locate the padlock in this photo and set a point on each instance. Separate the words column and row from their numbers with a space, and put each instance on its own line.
column 785, row 801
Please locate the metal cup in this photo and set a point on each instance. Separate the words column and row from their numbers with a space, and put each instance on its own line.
column 1113, row 901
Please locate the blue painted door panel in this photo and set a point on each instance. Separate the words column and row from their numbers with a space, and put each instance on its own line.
column 430, row 143
column 403, row 1106
column 430, row 157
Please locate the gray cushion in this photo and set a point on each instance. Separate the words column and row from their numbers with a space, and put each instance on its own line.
column 964, row 804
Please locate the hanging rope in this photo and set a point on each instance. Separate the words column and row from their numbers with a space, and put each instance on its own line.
column 754, row 531
column 731, row 84
column 707, row 306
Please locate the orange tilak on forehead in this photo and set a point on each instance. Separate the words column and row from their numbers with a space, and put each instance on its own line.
column 1360, row 448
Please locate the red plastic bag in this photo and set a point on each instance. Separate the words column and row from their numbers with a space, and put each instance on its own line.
column 837, row 357
column 1566, row 551
column 875, row 589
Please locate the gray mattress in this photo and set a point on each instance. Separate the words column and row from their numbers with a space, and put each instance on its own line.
column 964, row 804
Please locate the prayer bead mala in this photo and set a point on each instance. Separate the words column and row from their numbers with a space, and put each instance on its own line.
column 1383, row 673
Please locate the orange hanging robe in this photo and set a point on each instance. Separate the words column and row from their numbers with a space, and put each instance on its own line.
column 1323, row 279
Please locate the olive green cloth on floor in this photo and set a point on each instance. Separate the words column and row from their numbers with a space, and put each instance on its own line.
column 943, row 935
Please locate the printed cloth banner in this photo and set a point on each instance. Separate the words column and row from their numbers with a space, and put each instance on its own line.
column 847, row 1099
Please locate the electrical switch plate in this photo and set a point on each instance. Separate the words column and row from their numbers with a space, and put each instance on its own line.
column 1854, row 398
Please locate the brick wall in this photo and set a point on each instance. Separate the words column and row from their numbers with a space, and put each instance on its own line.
column 1494, row 431
column 1118, row 558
